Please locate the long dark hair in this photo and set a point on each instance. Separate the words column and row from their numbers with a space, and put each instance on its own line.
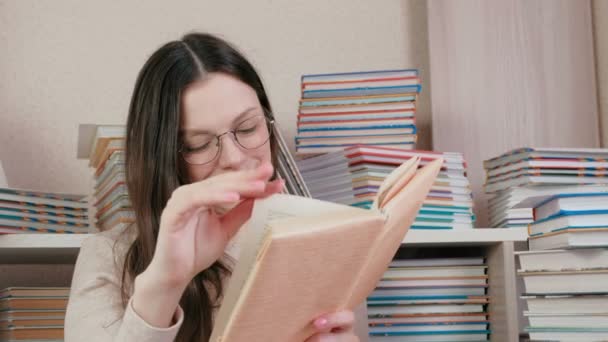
column 154, row 167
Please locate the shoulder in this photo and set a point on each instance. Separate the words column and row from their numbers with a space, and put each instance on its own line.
column 104, row 252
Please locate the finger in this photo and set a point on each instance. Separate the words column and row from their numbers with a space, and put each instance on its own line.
column 184, row 201
column 274, row 187
column 341, row 320
column 221, row 190
column 236, row 218
column 329, row 337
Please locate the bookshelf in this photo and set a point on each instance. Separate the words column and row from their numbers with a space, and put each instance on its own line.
column 497, row 245
column 40, row 248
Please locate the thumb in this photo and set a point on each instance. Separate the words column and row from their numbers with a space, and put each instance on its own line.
column 233, row 220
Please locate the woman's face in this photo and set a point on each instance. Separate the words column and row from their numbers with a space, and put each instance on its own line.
column 218, row 104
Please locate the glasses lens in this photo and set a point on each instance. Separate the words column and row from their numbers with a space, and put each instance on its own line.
column 253, row 132
column 200, row 149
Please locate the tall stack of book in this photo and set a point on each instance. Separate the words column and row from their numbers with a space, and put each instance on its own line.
column 529, row 172
column 565, row 273
column 373, row 108
column 353, row 175
column 287, row 167
column 435, row 299
column 27, row 211
column 107, row 157
column 33, row 313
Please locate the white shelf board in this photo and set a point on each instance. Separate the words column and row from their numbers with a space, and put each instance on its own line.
column 477, row 236
column 40, row 248
column 63, row 248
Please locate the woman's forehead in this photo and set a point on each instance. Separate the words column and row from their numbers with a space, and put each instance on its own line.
column 216, row 102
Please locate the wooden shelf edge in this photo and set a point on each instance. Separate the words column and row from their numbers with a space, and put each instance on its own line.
column 477, row 236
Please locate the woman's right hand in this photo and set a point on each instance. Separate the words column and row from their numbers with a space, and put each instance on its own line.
column 192, row 236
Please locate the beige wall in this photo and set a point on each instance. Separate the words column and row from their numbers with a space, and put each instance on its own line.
column 510, row 74
column 600, row 25
column 69, row 62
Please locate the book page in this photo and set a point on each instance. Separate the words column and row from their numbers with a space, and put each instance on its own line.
column 274, row 208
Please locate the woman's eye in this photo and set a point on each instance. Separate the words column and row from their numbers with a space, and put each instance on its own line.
column 197, row 148
column 247, row 130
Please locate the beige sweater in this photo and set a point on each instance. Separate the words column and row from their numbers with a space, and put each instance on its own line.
column 95, row 311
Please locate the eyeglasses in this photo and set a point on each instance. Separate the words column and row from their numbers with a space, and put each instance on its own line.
column 249, row 134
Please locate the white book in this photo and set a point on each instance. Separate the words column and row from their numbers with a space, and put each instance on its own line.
column 554, row 282
column 562, row 259
column 570, row 238
column 567, row 304
column 568, row 335
column 552, row 320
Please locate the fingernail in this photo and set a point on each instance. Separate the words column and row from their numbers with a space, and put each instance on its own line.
column 321, row 322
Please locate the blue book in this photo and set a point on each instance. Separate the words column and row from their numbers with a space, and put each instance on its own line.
column 313, row 94
column 572, row 204
column 580, row 220
column 359, row 101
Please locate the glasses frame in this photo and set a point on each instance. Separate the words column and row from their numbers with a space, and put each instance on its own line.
column 218, row 140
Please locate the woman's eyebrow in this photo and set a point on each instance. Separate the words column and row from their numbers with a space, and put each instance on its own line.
column 243, row 114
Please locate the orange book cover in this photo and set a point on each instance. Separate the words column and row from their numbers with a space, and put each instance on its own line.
column 298, row 258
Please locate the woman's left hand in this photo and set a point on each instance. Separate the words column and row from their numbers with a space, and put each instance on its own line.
column 336, row 327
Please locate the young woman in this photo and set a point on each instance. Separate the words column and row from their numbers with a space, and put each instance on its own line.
column 199, row 151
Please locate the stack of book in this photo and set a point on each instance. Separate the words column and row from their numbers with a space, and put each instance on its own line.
column 287, row 167
column 565, row 273
column 107, row 157
column 27, row 211
column 566, row 291
column 373, row 108
column 528, row 172
column 33, row 313
column 436, row 299
column 352, row 176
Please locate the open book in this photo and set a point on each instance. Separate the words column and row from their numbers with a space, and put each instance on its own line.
column 300, row 258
